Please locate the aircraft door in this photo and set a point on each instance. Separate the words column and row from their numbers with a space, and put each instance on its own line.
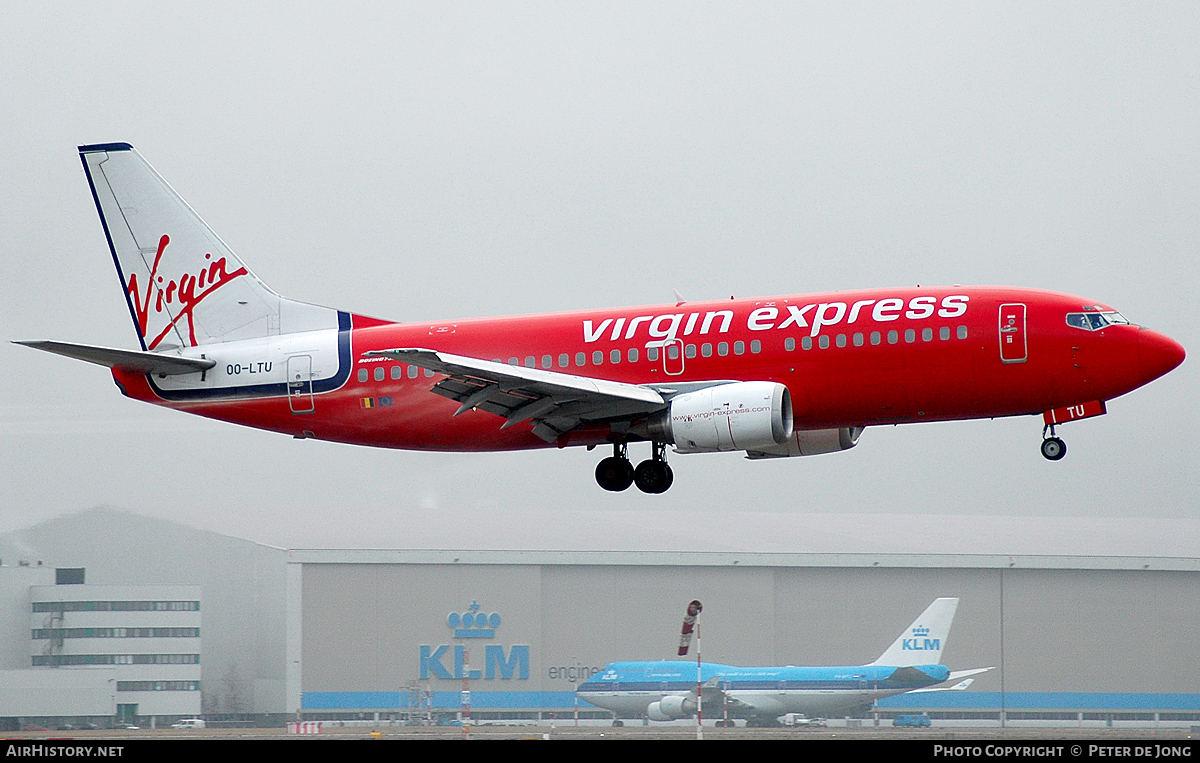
column 1013, row 344
column 299, row 374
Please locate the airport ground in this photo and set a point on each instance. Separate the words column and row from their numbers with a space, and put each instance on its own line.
column 957, row 735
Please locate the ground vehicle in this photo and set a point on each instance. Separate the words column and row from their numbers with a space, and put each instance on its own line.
column 912, row 721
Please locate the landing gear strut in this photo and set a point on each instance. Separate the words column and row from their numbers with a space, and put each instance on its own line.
column 1052, row 447
column 653, row 475
column 615, row 473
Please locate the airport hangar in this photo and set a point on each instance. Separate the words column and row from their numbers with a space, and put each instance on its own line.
column 1104, row 629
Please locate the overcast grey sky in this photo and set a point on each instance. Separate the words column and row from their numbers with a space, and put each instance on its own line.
column 431, row 160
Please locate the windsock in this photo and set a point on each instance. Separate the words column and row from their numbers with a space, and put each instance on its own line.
column 689, row 624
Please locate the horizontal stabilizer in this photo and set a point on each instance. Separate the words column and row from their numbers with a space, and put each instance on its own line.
column 133, row 360
column 960, row 686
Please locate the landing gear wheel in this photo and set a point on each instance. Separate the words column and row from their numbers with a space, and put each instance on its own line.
column 653, row 476
column 614, row 473
column 1053, row 448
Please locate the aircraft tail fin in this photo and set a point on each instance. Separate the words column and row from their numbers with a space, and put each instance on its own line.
column 922, row 642
column 183, row 285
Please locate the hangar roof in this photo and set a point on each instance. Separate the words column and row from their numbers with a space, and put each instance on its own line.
column 784, row 539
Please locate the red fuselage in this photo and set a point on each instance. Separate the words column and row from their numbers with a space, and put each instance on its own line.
column 848, row 359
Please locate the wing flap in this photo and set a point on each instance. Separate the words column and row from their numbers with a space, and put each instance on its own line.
column 555, row 402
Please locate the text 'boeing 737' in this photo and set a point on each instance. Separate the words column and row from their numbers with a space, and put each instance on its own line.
column 666, row 690
column 772, row 377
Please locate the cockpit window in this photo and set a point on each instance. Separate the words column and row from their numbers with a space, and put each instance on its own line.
column 1096, row 321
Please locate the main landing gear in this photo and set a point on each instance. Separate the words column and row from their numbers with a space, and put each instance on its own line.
column 615, row 473
column 1052, row 447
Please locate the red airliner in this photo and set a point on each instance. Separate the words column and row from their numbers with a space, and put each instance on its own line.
column 773, row 377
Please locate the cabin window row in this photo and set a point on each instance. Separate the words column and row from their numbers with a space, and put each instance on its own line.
column 876, row 338
column 396, row 372
column 633, row 354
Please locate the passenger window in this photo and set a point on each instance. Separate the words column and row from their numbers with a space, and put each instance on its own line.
column 362, row 374
column 673, row 352
column 755, row 346
column 690, row 351
column 723, row 348
column 598, row 358
column 962, row 332
column 944, row 333
column 429, row 373
column 581, row 359
column 547, row 361
column 893, row 337
column 513, row 361
column 876, row 338
column 910, row 336
column 379, row 373
column 530, row 361
column 789, row 344
column 806, row 342
column 412, row 372
column 841, row 340
column 564, row 360
column 926, row 335
column 858, row 340
column 397, row 372
column 632, row 355
column 652, row 354
column 739, row 348
column 823, row 341
column 614, row 356
column 706, row 349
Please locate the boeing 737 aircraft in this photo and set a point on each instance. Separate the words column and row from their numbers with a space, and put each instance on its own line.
column 771, row 377
column 666, row 690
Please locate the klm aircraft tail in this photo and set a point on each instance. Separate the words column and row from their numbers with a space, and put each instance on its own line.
column 183, row 285
column 922, row 642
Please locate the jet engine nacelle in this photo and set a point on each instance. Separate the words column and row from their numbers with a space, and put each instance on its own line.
column 671, row 708
column 811, row 442
column 736, row 416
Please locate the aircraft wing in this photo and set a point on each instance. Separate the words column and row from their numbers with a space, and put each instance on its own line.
column 135, row 360
column 555, row 402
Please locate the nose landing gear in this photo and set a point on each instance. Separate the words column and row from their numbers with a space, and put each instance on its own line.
column 1053, row 448
column 653, row 476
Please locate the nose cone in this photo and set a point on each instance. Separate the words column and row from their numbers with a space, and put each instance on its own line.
column 1157, row 354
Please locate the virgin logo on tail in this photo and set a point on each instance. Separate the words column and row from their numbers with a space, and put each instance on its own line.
column 182, row 291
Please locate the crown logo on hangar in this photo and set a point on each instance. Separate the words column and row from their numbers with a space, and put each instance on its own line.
column 473, row 623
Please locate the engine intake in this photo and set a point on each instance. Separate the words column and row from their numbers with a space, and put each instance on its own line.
column 735, row 416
